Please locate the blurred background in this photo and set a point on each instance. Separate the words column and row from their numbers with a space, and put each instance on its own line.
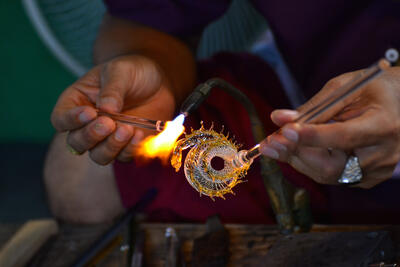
column 31, row 78
column 44, row 46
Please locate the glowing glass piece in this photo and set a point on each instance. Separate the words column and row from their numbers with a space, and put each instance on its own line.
column 204, row 146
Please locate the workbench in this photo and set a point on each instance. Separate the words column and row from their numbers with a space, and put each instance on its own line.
column 248, row 245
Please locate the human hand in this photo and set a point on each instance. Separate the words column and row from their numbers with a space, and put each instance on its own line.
column 130, row 84
column 368, row 127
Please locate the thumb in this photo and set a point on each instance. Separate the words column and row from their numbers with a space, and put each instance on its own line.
column 282, row 116
column 113, row 88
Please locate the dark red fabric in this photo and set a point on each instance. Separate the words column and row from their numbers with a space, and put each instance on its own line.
column 177, row 200
column 318, row 39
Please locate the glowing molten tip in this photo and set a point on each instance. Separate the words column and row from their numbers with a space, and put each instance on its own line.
column 162, row 144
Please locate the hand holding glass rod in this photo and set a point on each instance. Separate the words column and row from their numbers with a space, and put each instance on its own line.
column 315, row 112
column 135, row 121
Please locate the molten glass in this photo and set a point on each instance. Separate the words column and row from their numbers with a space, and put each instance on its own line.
column 161, row 145
column 205, row 145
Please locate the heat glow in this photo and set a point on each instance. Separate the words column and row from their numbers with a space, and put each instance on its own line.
column 161, row 145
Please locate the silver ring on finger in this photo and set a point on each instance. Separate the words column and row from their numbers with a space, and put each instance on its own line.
column 352, row 173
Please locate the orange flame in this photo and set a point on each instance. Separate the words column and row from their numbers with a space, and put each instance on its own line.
column 161, row 145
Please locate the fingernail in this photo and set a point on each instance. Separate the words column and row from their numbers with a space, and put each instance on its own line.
column 291, row 113
column 269, row 152
column 100, row 129
column 290, row 134
column 109, row 102
column 137, row 137
column 121, row 135
column 85, row 117
column 278, row 145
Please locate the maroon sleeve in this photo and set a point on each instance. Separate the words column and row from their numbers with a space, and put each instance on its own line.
column 177, row 17
column 176, row 200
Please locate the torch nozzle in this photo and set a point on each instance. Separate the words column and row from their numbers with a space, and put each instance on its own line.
column 193, row 101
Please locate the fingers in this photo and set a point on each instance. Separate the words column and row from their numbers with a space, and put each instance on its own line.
column 75, row 106
column 365, row 130
column 108, row 150
column 280, row 145
column 114, row 86
column 283, row 116
column 277, row 147
column 106, row 141
column 320, row 164
column 125, row 80
column 127, row 152
column 325, row 166
column 87, row 137
column 374, row 177
column 73, row 119
column 377, row 164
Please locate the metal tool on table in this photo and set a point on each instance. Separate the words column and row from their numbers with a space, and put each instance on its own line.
column 172, row 248
column 137, row 259
column 115, row 229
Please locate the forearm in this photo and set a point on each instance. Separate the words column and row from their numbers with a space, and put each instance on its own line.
column 120, row 37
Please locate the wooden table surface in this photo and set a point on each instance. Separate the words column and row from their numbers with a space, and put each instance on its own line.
column 247, row 242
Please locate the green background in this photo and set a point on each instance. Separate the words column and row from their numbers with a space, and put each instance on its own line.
column 31, row 79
